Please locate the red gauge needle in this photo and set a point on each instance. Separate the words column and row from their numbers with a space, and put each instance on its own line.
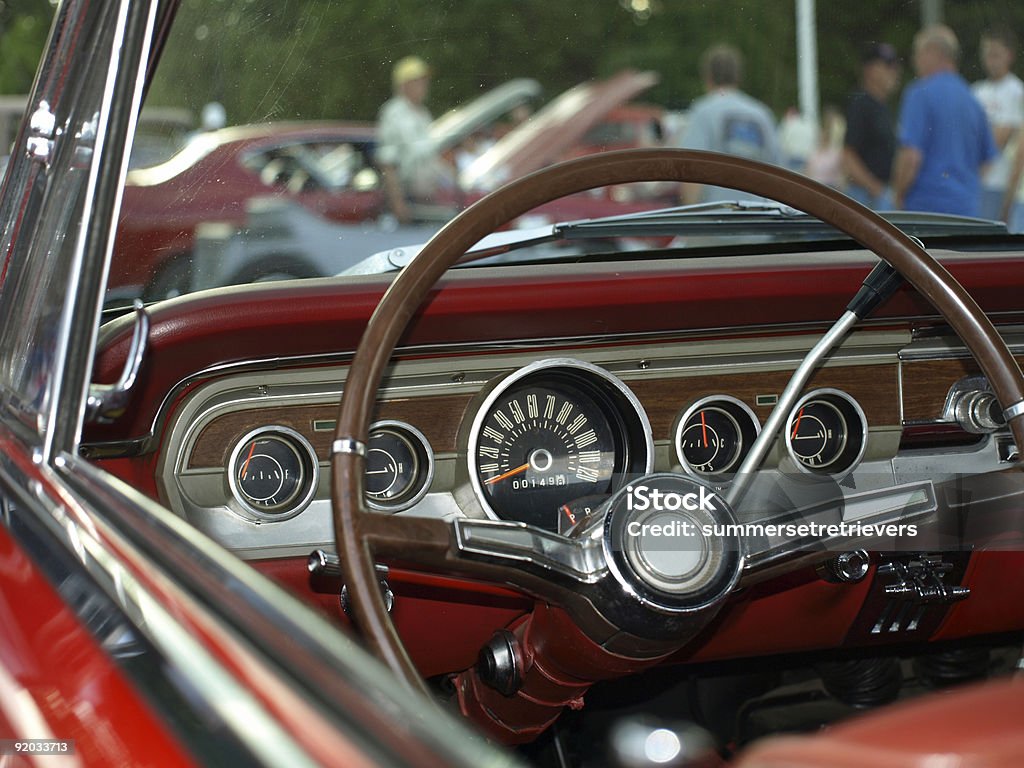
column 796, row 424
column 247, row 460
column 704, row 428
column 510, row 473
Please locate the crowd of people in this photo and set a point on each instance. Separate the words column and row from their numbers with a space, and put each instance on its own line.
column 953, row 148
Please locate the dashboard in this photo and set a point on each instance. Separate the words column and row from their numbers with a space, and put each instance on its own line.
column 671, row 367
column 505, row 435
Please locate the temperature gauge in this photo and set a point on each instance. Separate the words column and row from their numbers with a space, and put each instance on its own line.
column 713, row 435
column 826, row 432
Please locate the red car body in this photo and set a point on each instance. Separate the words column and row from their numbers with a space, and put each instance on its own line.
column 216, row 175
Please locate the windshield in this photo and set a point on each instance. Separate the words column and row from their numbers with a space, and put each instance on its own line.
column 325, row 132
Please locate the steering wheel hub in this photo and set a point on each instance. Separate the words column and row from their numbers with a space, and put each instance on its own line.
column 668, row 540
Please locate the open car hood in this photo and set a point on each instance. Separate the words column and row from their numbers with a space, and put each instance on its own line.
column 545, row 138
column 462, row 121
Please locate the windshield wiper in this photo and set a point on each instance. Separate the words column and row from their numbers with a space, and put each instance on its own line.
column 729, row 221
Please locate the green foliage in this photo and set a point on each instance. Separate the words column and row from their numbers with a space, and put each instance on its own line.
column 286, row 59
column 24, row 25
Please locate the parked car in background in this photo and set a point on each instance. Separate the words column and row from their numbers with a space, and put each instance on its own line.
column 322, row 167
column 221, row 176
column 280, row 240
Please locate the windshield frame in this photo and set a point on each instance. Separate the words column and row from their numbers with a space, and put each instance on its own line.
column 63, row 316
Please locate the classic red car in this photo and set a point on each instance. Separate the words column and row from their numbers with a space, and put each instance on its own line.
column 230, row 177
column 751, row 497
column 325, row 167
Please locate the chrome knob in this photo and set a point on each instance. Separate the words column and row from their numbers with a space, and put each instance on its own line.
column 979, row 412
column 846, row 568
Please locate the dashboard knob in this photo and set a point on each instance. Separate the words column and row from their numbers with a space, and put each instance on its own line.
column 846, row 568
column 979, row 412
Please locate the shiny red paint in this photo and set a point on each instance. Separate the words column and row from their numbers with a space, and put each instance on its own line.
column 997, row 600
column 56, row 682
column 977, row 726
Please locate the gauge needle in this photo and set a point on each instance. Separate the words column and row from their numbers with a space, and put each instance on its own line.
column 248, row 459
column 704, row 428
column 510, row 473
column 796, row 425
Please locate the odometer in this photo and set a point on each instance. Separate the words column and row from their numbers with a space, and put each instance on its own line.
column 549, row 438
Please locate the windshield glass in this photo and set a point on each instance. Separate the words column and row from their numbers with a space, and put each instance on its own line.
column 313, row 138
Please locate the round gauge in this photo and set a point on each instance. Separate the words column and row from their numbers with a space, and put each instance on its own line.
column 713, row 435
column 553, row 433
column 272, row 473
column 826, row 432
column 399, row 466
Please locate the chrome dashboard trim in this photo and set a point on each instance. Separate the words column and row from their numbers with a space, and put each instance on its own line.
column 948, row 347
column 199, row 493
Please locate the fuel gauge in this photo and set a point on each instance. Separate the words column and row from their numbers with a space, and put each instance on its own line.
column 272, row 473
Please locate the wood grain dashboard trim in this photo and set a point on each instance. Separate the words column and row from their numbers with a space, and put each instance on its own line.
column 875, row 387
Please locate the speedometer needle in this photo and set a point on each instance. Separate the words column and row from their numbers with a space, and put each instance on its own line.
column 510, row 473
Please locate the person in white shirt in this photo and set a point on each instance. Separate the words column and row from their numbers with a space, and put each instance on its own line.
column 411, row 167
column 1002, row 96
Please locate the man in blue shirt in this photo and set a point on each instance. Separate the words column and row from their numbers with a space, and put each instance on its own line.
column 945, row 140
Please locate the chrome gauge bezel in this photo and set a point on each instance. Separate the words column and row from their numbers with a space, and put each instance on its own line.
column 856, row 422
column 309, row 483
column 424, row 472
column 590, row 375
column 742, row 411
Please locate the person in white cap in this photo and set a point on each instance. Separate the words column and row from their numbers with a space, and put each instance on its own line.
column 410, row 164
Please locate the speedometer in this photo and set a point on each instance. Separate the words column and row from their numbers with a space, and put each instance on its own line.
column 553, row 433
